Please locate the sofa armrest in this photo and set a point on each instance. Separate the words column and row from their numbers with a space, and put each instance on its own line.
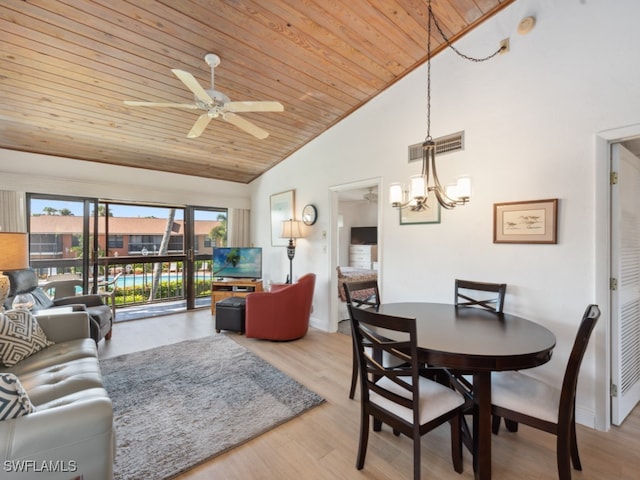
column 90, row 300
column 61, row 327
column 79, row 433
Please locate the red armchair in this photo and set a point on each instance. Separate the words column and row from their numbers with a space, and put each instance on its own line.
column 281, row 314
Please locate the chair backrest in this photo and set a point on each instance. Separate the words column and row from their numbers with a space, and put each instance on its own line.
column 403, row 347
column 26, row 281
column 62, row 288
column 470, row 293
column 363, row 293
column 570, row 382
column 110, row 286
column 307, row 283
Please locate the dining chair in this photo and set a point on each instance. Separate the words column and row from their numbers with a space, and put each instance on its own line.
column 399, row 396
column 478, row 294
column 489, row 296
column 520, row 398
column 360, row 294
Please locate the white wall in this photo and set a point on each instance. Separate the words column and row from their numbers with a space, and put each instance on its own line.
column 530, row 117
column 26, row 172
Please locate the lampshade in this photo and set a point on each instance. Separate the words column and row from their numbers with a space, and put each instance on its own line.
column 291, row 229
column 14, row 251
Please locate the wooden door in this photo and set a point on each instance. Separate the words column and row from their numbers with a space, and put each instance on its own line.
column 625, row 292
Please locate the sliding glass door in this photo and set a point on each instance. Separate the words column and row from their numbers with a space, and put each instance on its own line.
column 208, row 229
column 61, row 236
column 150, row 254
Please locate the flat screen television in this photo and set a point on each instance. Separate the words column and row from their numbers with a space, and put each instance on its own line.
column 237, row 262
column 364, row 235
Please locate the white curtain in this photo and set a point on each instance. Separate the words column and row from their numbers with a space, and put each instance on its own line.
column 238, row 227
column 13, row 211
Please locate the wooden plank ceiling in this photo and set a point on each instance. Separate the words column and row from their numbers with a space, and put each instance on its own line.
column 66, row 66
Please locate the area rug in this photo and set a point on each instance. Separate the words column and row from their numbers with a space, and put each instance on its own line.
column 179, row 405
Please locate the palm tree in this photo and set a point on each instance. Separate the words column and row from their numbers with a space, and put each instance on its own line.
column 164, row 248
column 102, row 211
column 219, row 233
column 50, row 211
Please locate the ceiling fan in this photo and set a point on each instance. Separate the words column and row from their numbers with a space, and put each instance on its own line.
column 216, row 104
column 371, row 196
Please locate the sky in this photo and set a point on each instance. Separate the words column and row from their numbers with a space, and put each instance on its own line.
column 38, row 206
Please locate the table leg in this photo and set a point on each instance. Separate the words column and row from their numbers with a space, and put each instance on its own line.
column 482, row 425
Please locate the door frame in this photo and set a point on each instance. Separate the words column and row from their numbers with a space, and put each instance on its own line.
column 334, row 236
column 90, row 231
column 602, row 242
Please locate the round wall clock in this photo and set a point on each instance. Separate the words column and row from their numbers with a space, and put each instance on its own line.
column 309, row 214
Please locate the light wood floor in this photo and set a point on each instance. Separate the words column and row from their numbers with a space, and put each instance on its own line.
column 322, row 443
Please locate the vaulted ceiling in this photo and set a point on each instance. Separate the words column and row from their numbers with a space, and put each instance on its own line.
column 66, row 67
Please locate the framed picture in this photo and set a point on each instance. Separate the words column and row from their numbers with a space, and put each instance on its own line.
column 534, row 221
column 430, row 215
column 282, row 208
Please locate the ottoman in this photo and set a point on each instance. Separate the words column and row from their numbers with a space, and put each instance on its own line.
column 230, row 314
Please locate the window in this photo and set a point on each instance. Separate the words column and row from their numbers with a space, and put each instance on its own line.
column 116, row 241
column 48, row 244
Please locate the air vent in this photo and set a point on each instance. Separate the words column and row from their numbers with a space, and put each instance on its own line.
column 446, row 144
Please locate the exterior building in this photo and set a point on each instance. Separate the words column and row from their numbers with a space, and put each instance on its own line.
column 59, row 236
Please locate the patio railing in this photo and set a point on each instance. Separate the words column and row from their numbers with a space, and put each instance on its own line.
column 135, row 276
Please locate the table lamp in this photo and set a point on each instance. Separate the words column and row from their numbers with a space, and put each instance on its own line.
column 14, row 255
column 291, row 229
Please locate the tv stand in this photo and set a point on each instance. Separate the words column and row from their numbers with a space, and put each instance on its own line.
column 221, row 289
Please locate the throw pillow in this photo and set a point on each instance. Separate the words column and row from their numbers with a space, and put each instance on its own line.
column 14, row 401
column 20, row 336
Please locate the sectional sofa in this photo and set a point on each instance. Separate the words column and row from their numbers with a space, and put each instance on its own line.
column 56, row 419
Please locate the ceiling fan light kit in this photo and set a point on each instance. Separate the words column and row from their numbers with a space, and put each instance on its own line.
column 215, row 103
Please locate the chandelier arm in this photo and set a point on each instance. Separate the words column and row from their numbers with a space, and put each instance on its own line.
column 441, row 193
column 442, row 201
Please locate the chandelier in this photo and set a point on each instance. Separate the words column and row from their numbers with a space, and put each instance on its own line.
column 420, row 186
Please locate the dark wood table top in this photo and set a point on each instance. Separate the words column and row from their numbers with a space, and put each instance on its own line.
column 475, row 339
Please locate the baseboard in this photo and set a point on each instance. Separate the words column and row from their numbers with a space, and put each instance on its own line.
column 586, row 417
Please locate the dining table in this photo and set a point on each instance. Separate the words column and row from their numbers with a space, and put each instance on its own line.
column 477, row 341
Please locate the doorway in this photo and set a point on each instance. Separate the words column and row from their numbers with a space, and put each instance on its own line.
column 354, row 206
column 625, row 278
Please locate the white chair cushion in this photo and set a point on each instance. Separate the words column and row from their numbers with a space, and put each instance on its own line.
column 522, row 393
column 435, row 399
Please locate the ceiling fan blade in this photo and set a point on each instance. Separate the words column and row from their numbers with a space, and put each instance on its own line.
column 199, row 126
column 159, row 104
column 193, row 85
column 254, row 107
column 245, row 125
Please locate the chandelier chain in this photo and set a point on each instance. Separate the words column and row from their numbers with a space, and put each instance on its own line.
column 429, row 74
column 450, row 45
